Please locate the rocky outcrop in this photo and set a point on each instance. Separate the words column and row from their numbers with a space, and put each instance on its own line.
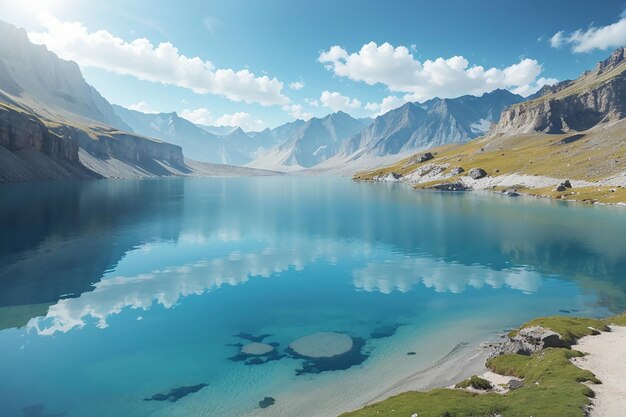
column 529, row 340
column 597, row 96
column 477, row 173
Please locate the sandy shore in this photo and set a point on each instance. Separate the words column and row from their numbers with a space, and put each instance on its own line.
column 607, row 360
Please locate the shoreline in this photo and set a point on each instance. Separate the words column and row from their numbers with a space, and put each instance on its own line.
column 501, row 187
column 586, row 352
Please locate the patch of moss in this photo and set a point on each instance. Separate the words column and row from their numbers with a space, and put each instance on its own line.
column 475, row 382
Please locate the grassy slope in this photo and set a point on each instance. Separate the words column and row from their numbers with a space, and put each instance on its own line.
column 593, row 155
column 552, row 385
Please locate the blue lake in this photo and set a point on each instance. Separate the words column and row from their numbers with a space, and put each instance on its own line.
column 114, row 291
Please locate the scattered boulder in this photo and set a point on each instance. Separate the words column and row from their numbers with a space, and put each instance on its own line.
column 563, row 186
column 530, row 340
column 419, row 158
column 514, row 384
column 511, row 193
column 477, row 173
column 457, row 171
column 266, row 402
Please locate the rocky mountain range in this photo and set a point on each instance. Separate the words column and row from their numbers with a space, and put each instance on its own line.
column 311, row 143
column 339, row 141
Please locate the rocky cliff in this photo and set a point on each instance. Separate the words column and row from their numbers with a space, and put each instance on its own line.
column 53, row 125
column 595, row 97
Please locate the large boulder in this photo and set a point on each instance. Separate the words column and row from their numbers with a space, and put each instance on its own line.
column 477, row 173
column 419, row 158
column 530, row 340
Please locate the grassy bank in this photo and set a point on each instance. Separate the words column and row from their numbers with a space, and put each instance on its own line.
column 552, row 386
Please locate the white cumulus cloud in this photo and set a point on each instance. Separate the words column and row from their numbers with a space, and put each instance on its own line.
column 338, row 102
column 200, row 116
column 243, row 120
column 297, row 111
column 396, row 68
column 162, row 63
column 296, row 85
column 387, row 103
column 596, row 37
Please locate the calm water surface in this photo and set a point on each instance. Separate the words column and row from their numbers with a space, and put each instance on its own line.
column 114, row 291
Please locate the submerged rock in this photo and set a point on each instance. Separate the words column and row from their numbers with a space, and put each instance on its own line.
column 252, row 338
column 322, row 345
column 340, row 354
column 477, row 173
column 256, row 349
column 176, row 394
column 384, row 331
column 530, row 340
column 266, row 402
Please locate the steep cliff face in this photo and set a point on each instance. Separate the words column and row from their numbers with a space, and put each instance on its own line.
column 597, row 96
column 29, row 150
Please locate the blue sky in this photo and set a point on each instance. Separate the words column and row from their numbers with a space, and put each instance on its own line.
column 282, row 42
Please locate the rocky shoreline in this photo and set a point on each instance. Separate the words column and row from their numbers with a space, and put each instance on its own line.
column 442, row 177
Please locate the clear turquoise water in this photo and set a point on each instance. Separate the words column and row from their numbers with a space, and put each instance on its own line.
column 113, row 291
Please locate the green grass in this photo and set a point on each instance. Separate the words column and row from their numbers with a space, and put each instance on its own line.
column 552, row 387
column 475, row 382
column 570, row 328
column 617, row 320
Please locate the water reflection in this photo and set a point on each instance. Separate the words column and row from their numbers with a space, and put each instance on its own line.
column 131, row 244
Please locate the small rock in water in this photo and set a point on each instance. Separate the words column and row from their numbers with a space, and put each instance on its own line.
column 411, row 353
column 511, row 193
column 266, row 402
